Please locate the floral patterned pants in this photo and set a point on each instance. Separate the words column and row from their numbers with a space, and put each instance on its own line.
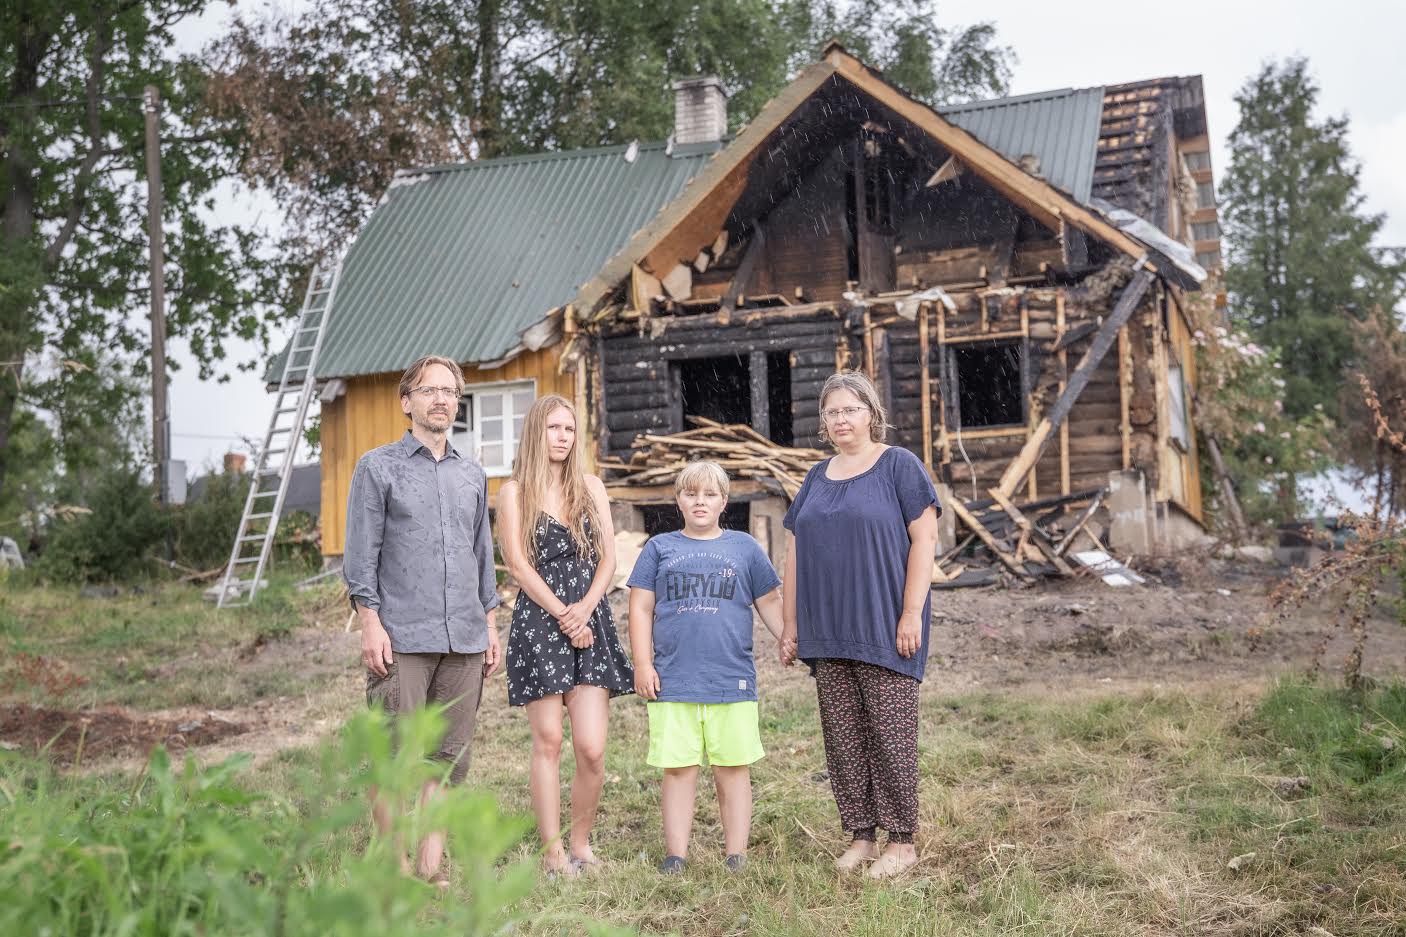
column 869, row 717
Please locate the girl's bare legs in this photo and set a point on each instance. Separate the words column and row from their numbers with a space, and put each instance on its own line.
column 589, row 709
column 676, row 798
column 544, row 777
column 734, row 785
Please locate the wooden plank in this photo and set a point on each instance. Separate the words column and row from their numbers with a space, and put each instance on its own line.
column 761, row 404
column 943, row 439
column 1034, row 447
column 643, row 288
column 1084, row 516
column 742, row 279
column 678, row 283
column 978, row 528
column 984, row 337
column 1063, row 382
column 1125, row 395
column 926, row 380
column 1034, row 535
column 998, row 432
column 868, row 345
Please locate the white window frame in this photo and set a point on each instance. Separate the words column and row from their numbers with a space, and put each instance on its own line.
column 472, row 441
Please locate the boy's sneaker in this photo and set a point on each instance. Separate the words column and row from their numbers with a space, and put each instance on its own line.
column 735, row 862
column 672, row 865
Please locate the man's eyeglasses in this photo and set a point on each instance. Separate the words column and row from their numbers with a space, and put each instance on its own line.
column 849, row 413
column 426, row 392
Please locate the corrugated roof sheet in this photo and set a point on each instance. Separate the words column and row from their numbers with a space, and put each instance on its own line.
column 1060, row 128
column 458, row 260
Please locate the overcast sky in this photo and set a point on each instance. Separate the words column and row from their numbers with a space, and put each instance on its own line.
column 1353, row 47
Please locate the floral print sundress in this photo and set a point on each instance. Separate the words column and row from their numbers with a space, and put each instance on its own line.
column 541, row 660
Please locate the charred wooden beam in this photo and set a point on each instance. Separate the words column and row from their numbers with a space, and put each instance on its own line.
column 1107, row 334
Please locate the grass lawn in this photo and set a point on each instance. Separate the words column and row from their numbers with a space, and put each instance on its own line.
column 1058, row 807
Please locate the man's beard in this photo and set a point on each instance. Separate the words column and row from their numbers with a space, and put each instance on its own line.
column 434, row 422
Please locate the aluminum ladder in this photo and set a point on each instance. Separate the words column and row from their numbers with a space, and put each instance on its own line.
column 253, row 542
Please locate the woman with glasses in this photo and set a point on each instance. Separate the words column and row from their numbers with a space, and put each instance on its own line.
column 862, row 535
column 564, row 657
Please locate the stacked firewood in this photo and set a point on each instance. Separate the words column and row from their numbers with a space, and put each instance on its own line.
column 739, row 449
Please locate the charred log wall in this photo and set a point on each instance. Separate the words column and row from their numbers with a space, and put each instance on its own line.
column 641, row 387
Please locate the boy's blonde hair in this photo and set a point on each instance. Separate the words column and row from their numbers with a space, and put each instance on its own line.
column 696, row 475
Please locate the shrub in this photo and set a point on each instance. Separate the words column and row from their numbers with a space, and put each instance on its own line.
column 115, row 539
column 205, row 526
column 192, row 851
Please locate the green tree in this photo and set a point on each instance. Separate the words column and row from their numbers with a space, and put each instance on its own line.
column 73, row 251
column 332, row 102
column 1300, row 265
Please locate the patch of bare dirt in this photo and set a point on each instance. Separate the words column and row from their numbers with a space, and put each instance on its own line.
column 110, row 732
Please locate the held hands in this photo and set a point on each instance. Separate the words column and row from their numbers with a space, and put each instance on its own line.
column 574, row 621
column 647, row 681
column 910, row 634
column 787, row 646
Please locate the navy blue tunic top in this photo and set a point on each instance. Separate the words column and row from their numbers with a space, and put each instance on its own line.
column 852, row 561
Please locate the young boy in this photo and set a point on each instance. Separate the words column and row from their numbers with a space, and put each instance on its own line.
column 691, row 598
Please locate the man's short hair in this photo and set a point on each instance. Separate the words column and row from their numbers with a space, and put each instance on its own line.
column 411, row 378
column 697, row 475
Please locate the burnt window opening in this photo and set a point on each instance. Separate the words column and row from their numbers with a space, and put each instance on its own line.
column 878, row 186
column 778, row 393
column 989, row 384
column 663, row 518
column 717, row 388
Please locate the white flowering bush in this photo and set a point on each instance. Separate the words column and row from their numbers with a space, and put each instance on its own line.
column 1240, row 400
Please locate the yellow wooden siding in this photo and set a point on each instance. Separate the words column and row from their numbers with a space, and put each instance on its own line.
column 1188, row 474
column 369, row 415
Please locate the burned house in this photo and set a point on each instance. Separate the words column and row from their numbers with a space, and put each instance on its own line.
column 1012, row 273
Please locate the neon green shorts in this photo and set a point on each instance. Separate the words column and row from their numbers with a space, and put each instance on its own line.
column 685, row 734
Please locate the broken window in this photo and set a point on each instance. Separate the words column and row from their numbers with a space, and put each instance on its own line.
column 488, row 423
column 1205, row 231
column 1197, row 160
column 1179, row 427
column 989, row 383
column 717, row 388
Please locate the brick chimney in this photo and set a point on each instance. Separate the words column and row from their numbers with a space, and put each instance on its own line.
column 700, row 110
column 234, row 463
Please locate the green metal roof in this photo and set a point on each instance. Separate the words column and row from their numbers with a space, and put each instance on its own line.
column 1060, row 128
column 459, row 260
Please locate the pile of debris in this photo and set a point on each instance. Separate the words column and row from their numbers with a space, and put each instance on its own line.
column 739, row 449
column 1059, row 536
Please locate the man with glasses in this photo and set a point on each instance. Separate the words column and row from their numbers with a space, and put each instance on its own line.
column 419, row 570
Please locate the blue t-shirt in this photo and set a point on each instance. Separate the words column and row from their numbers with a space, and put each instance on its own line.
column 852, row 561
column 703, row 595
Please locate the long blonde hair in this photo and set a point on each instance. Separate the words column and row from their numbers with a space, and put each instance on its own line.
column 532, row 470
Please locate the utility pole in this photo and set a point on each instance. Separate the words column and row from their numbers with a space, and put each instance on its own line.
column 160, row 427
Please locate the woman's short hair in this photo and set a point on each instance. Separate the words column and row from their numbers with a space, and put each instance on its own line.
column 411, row 378
column 696, row 476
column 857, row 383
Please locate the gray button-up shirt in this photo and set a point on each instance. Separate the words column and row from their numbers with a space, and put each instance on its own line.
column 419, row 549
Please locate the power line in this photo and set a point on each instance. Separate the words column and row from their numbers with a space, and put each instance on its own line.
column 73, row 102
